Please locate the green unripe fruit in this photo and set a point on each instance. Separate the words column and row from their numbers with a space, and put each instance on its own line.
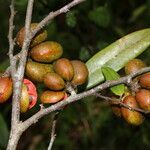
column 53, row 81
column 40, row 37
column 80, row 72
column 143, row 99
column 5, row 89
column 145, row 80
column 24, row 100
column 64, row 68
column 46, row 52
column 36, row 71
column 134, row 65
column 132, row 117
column 52, row 97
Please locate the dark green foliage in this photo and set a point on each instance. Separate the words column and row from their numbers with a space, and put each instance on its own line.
column 86, row 29
column 71, row 19
column 3, row 132
column 100, row 16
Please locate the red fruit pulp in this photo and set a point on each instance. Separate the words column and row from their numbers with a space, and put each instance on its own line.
column 31, row 91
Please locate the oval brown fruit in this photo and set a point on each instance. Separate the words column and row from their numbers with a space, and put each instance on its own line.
column 145, row 80
column 53, row 81
column 132, row 117
column 143, row 98
column 36, row 71
column 134, row 65
column 116, row 110
column 40, row 37
column 46, row 52
column 52, row 97
column 6, row 88
column 64, row 68
column 80, row 72
column 24, row 100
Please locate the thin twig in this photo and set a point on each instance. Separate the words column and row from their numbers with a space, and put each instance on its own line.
column 53, row 132
column 11, row 40
column 121, row 104
column 11, row 29
column 11, row 49
column 52, row 15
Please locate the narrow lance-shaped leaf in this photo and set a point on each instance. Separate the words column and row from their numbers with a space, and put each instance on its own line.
column 117, row 54
column 111, row 74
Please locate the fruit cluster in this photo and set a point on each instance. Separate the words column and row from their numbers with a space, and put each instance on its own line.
column 45, row 66
column 28, row 95
column 138, row 99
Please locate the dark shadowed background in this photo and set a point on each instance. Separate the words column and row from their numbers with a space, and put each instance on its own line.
column 85, row 30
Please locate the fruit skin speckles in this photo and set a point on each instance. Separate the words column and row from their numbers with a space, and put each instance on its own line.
column 134, row 65
column 40, row 37
column 145, row 80
column 143, row 98
column 6, row 88
column 64, row 68
column 46, row 52
column 36, row 71
column 132, row 117
column 52, row 97
column 80, row 72
column 54, row 81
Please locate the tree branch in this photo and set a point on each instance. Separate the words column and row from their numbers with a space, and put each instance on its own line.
column 17, row 72
column 45, row 22
column 10, row 36
column 77, row 97
column 12, row 59
column 121, row 104
column 53, row 132
column 52, row 15
column 17, row 76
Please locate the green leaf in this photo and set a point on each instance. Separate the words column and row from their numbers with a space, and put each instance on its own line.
column 100, row 16
column 111, row 74
column 84, row 54
column 71, row 19
column 117, row 54
column 4, row 133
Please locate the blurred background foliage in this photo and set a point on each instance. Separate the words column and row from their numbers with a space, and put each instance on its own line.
column 83, row 31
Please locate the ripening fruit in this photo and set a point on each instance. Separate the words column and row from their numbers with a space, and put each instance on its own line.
column 28, row 96
column 143, row 99
column 40, row 37
column 145, row 80
column 52, row 97
column 24, row 100
column 54, row 81
column 80, row 72
column 134, row 65
column 32, row 92
column 5, row 89
column 64, row 68
column 46, row 52
column 132, row 117
column 116, row 109
column 36, row 71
